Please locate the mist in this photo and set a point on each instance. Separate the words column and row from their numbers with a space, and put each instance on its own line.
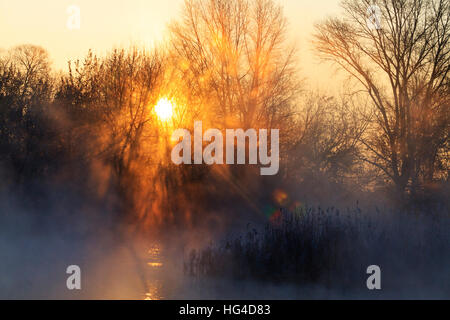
column 348, row 180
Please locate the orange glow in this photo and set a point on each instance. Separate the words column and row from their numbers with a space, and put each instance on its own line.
column 280, row 197
column 154, row 264
column 154, row 292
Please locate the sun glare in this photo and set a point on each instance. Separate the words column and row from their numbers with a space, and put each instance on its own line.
column 164, row 109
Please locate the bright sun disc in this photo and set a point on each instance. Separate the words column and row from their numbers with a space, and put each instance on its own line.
column 164, row 109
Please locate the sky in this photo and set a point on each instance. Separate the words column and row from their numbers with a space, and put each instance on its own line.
column 106, row 24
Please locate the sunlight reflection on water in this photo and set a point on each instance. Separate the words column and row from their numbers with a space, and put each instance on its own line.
column 155, row 264
column 155, row 291
column 154, row 269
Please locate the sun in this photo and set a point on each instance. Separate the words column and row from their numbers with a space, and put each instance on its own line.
column 164, row 109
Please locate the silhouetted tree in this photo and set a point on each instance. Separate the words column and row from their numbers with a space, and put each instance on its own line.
column 324, row 158
column 111, row 100
column 27, row 136
column 403, row 68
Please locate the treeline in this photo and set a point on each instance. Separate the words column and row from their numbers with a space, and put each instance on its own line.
column 93, row 128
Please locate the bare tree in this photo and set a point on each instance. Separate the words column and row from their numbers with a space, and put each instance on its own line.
column 112, row 100
column 26, row 88
column 32, row 60
column 324, row 156
column 33, row 64
column 403, row 68
column 233, row 58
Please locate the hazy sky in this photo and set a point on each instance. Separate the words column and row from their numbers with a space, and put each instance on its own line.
column 109, row 23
